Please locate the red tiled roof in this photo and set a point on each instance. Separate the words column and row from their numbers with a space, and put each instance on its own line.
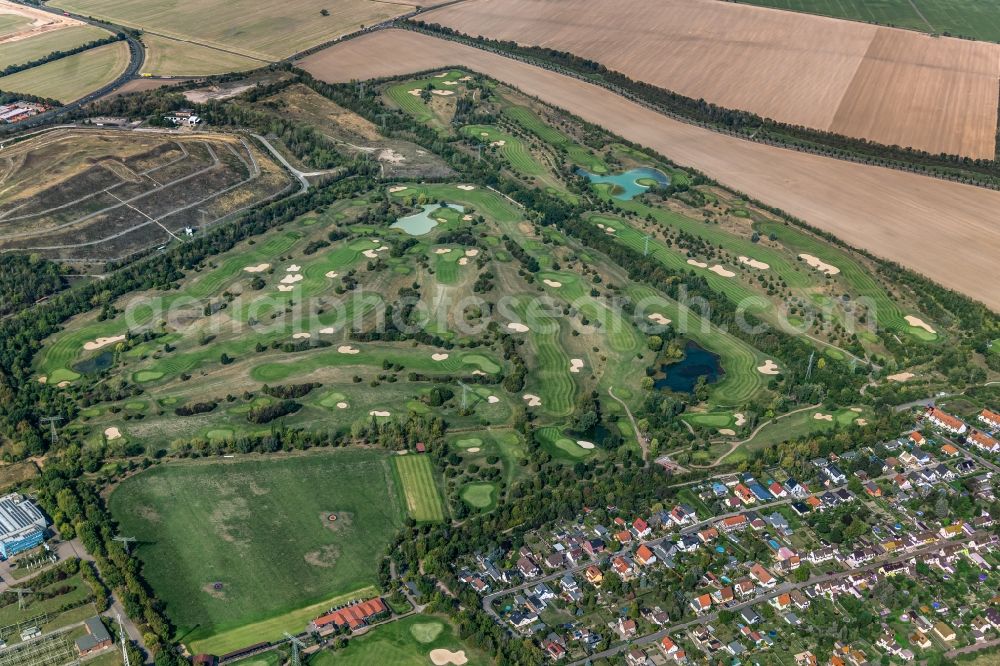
column 945, row 418
column 990, row 416
column 643, row 553
column 353, row 616
column 983, row 439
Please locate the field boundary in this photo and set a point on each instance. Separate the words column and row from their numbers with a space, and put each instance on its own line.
column 751, row 135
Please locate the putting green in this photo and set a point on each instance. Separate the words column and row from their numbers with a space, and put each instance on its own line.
column 479, row 495
column 468, row 442
column 147, row 376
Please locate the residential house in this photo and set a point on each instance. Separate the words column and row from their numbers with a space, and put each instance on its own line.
column 593, row 576
column 635, row 657
column 944, row 632
column 626, row 628
column 701, row 604
column 762, row 576
column 641, row 528
column 527, row 567
column 644, row 556
column 733, row 523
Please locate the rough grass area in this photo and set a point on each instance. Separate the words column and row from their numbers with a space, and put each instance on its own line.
column 402, row 643
column 69, row 79
column 423, row 501
column 243, row 523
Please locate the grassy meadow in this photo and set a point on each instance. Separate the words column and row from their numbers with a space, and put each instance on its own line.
column 209, row 533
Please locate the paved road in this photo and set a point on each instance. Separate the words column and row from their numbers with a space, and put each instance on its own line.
column 137, row 56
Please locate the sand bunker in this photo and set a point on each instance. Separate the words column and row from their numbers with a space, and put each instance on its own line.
column 724, row 272
column 552, row 283
column 451, row 83
column 341, row 405
column 443, row 93
column 112, row 433
column 439, row 357
column 465, row 78
column 442, row 250
column 474, row 449
column 285, row 287
column 819, row 265
column 259, row 268
column 292, row 279
column 729, row 432
column 518, row 327
column 302, row 336
column 464, row 261
column 584, row 444
column 331, row 274
column 484, row 134
column 348, row 349
column 856, row 409
column 441, row 657
column 467, row 188
column 492, row 399
column 471, row 252
column 379, row 412
column 441, row 75
column 823, row 417
column 610, row 230
column 478, row 373
column 397, row 188
column 861, row 422
column 699, row 264
column 533, row 400
column 900, row 377
column 740, row 419
column 370, row 254
column 43, row 379
column 415, row 92
column 63, row 384
column 575, row 364
column 753, row 263
column 102, row 342
column 501, row 142
column 657, row 318
column 328, row 330
column 294, row 268
column 769, row 368
column 468, row 218
column 917, row 322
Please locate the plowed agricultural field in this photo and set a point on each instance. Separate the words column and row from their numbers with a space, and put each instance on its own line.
column 920, row 222
column 887, row 85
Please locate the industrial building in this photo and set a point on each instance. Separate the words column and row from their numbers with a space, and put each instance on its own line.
column 22, row 525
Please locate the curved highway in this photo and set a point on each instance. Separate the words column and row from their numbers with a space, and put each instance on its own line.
column 137, row 56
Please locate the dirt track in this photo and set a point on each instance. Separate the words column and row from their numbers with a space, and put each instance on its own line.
column 41, row 21
column 891, row 86
column 944, row 230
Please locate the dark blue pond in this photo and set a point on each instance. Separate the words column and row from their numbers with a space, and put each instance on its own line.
column 683, row 375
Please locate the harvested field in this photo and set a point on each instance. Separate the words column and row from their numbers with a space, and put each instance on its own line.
column 42, row 44
column 265, row 31
column 883, row 84
column 917, row 219
column 170, row 57
column 93, row 195
column 68, row 79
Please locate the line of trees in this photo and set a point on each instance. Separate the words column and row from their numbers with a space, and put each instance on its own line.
column 58, row 55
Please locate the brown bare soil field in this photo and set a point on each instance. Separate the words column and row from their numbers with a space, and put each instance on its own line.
column 901, row 87
column 41, row 21
column 926, row 224
column 887, row 85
